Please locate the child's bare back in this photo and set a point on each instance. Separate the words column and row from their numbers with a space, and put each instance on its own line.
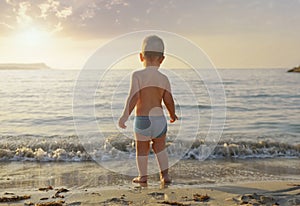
column 153, row 88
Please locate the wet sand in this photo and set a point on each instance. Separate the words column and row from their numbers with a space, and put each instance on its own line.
column 252, row 182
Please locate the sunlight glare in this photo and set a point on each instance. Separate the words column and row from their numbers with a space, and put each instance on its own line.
column 32, row 37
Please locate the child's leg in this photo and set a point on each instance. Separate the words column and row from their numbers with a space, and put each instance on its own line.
column 142, row 151
column 159, row 148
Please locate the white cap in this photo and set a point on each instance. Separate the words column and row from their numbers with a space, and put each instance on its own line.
column 153, row 43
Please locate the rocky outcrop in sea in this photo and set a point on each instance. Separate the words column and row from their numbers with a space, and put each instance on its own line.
column 295, row 69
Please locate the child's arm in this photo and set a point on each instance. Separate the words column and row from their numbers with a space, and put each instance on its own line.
column 130, row 102
column 169, row 102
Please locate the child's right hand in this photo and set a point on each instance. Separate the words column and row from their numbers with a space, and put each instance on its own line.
column 173, row 118
column 122, row 121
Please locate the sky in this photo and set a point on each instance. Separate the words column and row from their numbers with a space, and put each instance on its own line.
column 233, row 33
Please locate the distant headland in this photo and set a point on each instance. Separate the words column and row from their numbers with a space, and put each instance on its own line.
column 295, row 69
column 33, row 66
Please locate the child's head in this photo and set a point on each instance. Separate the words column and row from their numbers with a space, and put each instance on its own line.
column 152, row 51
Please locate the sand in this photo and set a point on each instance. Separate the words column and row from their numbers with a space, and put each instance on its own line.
column 255, row 193
column 55, row 184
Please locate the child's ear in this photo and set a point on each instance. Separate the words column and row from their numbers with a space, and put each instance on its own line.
column 141, row 57
column 161, row 59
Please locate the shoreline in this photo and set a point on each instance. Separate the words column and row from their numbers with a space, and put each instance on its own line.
column 14, row 174
column 87, row 183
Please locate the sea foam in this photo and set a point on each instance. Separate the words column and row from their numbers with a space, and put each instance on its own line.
column 117, row 147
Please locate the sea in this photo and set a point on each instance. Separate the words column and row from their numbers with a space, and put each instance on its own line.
column 236, row 119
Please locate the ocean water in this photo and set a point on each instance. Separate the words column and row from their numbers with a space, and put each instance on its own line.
column 38, row 110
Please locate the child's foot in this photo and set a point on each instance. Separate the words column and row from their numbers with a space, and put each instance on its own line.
column 140, row 179
column 166, row 179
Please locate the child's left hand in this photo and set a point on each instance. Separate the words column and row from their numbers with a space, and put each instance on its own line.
column 173, row 118
column 122, row 121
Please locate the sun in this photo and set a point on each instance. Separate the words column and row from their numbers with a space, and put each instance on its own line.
column 32, row 37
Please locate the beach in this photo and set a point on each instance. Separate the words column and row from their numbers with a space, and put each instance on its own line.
column 81, row 81
column 259, row 193
column 46, row 158
column 200, row 183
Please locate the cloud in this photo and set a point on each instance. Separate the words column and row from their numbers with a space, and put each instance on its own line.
column 89, row 12
column 64, row 13
column 21, row 13
column 44, row 10
column 54, row 15
column 10, row 2
column 96, row 18
column 110, row 4
column 54, row 7
column 7, row 25
column 218, row 24
column 48, row 15
column 57, row 28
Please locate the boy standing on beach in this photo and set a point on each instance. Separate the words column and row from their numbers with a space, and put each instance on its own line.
column 148, row 89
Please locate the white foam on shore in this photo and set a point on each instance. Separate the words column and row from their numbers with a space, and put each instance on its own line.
column 70, row 149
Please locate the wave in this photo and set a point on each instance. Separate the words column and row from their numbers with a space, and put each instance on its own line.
column 33, row 148
column 198, row 106
column 247, row 149
column 279, row 96
column 114, row 147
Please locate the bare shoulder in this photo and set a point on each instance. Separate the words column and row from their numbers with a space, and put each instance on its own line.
column 136, row 73
column 165, row 77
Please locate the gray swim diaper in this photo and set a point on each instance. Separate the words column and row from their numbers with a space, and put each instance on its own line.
column 150, row 126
